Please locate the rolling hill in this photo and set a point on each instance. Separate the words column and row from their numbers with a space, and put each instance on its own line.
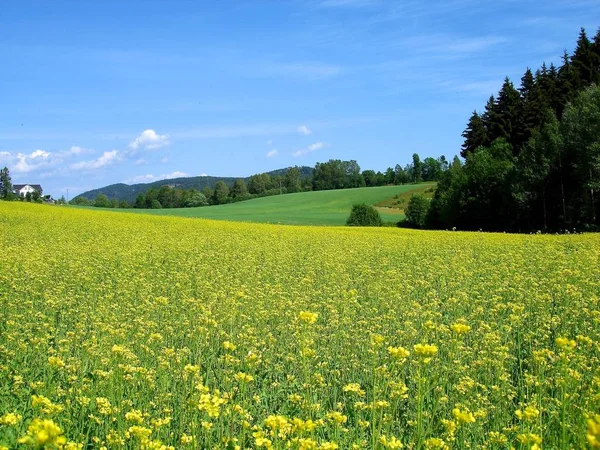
column 303, row 208
column 129, row 192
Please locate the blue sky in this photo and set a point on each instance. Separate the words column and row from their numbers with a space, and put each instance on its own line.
column 99, row 92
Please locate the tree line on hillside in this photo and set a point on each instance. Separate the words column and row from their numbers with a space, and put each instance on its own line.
column 333, row 174
column 532, row 158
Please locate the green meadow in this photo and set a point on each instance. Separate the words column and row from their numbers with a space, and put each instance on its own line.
column 303, row 208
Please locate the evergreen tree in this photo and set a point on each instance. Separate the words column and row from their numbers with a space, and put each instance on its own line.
column 533, row 107
column 596, row 58
column 581, row 135
column 505, row 115
column 486, row 118
column 550, row 90
column 565, row 84
column 583, row 62
column 475, row 135
column 5, row 184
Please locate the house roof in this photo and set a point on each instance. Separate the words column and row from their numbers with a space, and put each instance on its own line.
column 18, row 187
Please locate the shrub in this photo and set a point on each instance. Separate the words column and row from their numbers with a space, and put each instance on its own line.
column 364, row 215
column 416, row 211
column 198, row 199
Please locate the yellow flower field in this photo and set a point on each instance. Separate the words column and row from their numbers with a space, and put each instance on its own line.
column 142, row 332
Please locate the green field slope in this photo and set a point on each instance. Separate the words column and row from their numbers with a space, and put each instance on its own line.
column 304, row 208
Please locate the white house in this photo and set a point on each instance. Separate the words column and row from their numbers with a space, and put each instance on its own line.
column 22, row 189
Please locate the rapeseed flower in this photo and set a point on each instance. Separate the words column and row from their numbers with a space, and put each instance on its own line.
column 42, row 433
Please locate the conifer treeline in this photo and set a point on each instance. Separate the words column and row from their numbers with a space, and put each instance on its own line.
column 532, row 158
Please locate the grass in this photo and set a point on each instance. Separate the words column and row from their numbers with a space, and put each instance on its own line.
column 398, row 203
column 304, row 208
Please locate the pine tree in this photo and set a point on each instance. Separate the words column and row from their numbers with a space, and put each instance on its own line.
column 5, row 183
column 595, row 49
column 527, row 84
column 486, row 118
column 505, row 117
column 565, row 90
column 475, row 135
column 532, row 106
column 582, row 62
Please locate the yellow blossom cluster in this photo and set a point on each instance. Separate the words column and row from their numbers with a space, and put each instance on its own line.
column 123, row 331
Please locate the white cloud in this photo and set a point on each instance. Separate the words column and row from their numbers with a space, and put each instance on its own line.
column 40, row 160
column 76, row 150
column 105, row 159
column 175, row 174
column 311, row 148
column 164, row 160
column 149, row 139
column 140, row 179
column 272, row 153
column 304, row 130
column 25, row 163
column 148, row 178
column 270, row 142
column 40, row 154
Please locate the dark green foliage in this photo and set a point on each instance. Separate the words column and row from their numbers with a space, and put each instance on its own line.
column 580, row 129
column 389, row 176
column 417, row 211
column 239, row 190
column 370, row 178
column 5, row 184
column 122, row 191
column 363, row 215
column 292, row 180
column 259, row 184
column 195, row 200
column 221, row 193
column 81, row 201
column 400, row 175
column 475, row 135
column 505, row 116
column 431, row 169
column 101, row 201
column 540, row 166
column 329, row 175
column 583, row 61
column 417, row 169
column 337, row 174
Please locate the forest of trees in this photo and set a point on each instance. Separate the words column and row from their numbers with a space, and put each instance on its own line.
column 530, row 161
column 333, row 174
column 532, row 158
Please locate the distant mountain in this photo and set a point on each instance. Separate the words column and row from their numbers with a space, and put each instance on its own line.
column 129, row 192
